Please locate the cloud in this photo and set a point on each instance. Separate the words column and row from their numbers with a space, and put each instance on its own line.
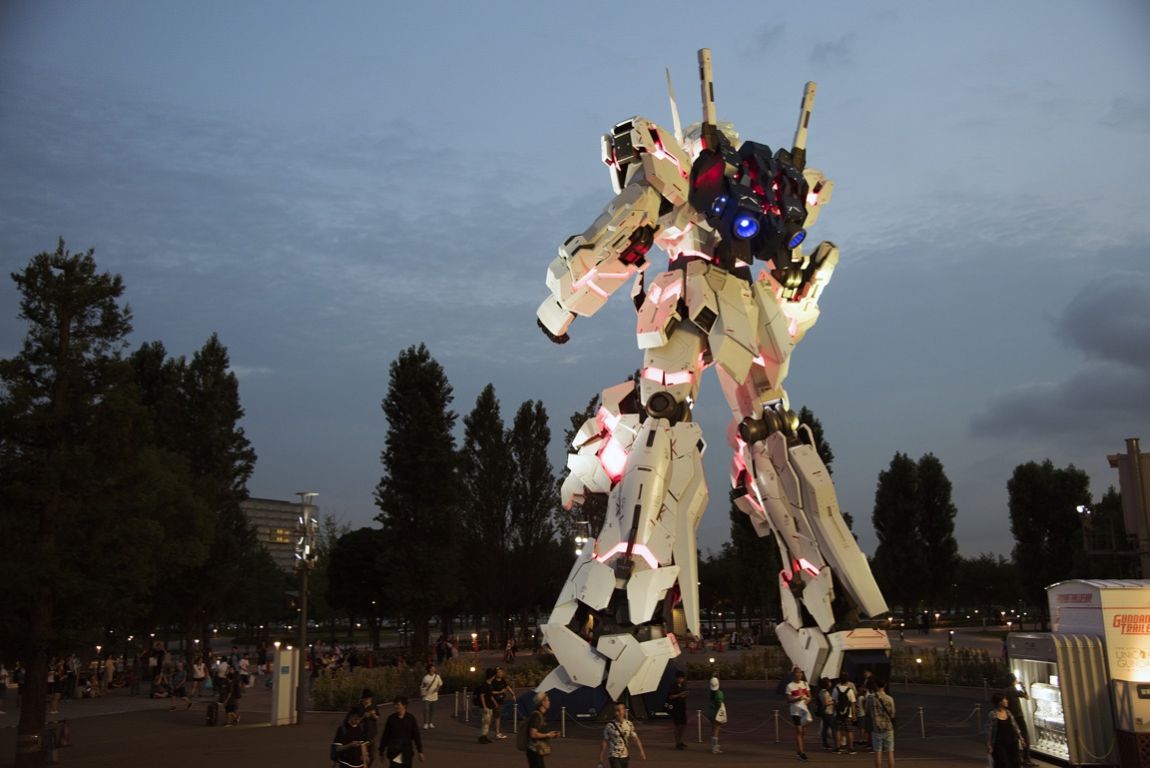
column 249, row 371
column 1110, row 320
column 835, row 53
column 1108, row 323
column 1129, row 113
column 765, row 40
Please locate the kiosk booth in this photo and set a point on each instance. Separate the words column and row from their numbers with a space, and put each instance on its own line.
column 1089, row 678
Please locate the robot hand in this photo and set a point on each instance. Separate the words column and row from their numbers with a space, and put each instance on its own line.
column 560, row 339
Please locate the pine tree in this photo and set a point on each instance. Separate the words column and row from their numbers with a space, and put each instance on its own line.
column 486, row 476
column 536, row 563
column 936, row 513
column 898, row 562
column 418, row 495
column 69, row 471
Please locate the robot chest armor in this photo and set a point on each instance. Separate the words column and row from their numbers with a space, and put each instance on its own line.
column 743, row 322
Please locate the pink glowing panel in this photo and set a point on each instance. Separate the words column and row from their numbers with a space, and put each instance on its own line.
column 678, row 377
column 653, row 374
column 640, row 550
column 808, row 566
column 613, row 458
column 608, row 420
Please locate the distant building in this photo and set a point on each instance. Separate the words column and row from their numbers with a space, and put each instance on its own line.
column 277, row 527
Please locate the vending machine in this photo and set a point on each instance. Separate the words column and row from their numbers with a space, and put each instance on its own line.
column 1088, row 679
column 1066, row 680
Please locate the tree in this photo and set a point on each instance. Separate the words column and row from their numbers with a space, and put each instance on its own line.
column 898, row 563
column 330, row 531
column 485, row 464
column 1112, row 552
column 936, row 514
column 1048, row 544
column 418, row 495
column 756, row 564
column 64, row 402
column 196, row 413
column 358, row 576
column 537, row 566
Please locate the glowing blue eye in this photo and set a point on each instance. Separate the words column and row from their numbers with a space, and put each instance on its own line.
column 800, row 236
column 719, row 204
column 746, row 226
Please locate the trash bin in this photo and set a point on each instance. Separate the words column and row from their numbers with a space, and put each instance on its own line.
column 49, row 745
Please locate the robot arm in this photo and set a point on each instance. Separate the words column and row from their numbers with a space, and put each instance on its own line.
column 649, row 170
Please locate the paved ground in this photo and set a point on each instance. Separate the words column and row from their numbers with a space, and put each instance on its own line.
column 122, row 731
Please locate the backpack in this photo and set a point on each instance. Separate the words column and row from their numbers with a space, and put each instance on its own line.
column 524, row 734
column 843, row 706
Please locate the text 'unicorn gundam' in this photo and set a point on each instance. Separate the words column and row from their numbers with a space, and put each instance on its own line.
column 714, row 205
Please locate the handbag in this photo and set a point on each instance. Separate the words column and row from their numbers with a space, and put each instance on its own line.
column 721, row 715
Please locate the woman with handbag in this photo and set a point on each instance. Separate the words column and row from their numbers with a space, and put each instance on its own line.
column 1003, row 738
column 716, row 713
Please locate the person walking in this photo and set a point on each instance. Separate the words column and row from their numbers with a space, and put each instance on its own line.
column 199, row 672
column 486, row 702
column 500, row 690
column 677, row 698
column 429, row 690
column 882, row 719
column 401, row 740
column 539, row 740
column 370, row 721
column 845, row 700
column 716, row 713
column 826, row 710
column 799, row 696
column 614, row 752
column 349, row 746
column 1003, row 738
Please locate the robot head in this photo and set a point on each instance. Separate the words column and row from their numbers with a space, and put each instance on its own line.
column 754, row 200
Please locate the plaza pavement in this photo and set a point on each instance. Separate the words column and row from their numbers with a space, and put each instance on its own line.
column 123, row 731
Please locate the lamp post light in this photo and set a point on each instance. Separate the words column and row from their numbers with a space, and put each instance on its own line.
column 305, row 560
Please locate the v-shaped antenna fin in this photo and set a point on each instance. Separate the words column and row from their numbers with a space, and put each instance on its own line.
column 678, row 126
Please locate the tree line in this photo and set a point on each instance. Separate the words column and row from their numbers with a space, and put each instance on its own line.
column 122, row 474
column 469, row 530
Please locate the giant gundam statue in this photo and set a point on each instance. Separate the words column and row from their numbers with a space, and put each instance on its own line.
column 714, row 205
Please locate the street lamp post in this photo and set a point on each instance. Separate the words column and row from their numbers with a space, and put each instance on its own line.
column 305, row 561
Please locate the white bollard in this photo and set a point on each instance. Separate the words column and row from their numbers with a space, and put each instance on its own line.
column 466, row 706
column 563, row 723
column 922, row 721
column 699, row 723
column 455, row 713
column 776, row 726
column 515, row 717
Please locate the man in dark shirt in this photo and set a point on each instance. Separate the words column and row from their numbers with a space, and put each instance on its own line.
column 401, row 739
column 677, row 698
column 500, row 690
column 1014, row 695
column 487, row 704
